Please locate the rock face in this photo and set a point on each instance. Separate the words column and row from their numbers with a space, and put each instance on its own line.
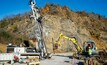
column 84, row 26
column 57, row 19
column 54, row 25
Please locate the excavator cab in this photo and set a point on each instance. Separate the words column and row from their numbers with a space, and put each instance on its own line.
column 90, row 45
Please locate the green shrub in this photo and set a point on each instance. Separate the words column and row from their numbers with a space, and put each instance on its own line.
column 15, row 29
column 5, row 35
column 3, row 24
column 0, row 51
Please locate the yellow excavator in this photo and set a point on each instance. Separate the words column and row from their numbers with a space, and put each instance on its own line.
column 89, row 47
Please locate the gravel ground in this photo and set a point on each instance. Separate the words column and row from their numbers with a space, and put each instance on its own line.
column 61, row 59
column 58, row 59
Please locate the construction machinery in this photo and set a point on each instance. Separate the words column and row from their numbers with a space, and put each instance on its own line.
column 18, row 54
column 89, row 45
column 81, row 51
column 38, row 30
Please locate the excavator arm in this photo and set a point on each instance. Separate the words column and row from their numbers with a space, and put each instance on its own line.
column 73, row 39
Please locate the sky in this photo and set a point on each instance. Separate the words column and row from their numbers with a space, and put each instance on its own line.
column 13, row 7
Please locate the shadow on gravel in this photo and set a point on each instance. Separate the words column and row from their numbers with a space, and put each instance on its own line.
column 70, row 57
column 67, row 61
column 80, row 63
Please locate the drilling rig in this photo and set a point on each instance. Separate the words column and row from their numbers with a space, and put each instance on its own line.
column 38, row 29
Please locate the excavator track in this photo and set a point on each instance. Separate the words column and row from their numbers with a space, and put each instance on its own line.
column 100, row 59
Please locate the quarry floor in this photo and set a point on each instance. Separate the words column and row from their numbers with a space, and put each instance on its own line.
column 61, row 59
column 58, row 59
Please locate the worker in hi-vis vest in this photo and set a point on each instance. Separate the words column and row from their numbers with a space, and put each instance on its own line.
column 90, row 52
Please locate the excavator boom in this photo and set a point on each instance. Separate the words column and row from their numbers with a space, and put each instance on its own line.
column 73, row 39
